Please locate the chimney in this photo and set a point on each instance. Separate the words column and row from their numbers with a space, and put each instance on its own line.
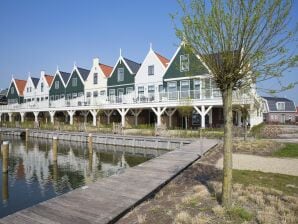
column 95, row 61
column 42, row 72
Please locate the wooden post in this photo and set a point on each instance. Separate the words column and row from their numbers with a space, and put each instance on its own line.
column 55, row 148
column 5, row 156
column 90, row 143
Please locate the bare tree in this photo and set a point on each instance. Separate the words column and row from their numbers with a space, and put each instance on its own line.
column 241, row 42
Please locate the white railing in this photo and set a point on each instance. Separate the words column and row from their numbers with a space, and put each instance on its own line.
column 239, row 97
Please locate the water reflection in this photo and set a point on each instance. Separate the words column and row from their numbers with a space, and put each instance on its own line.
column 40, row 169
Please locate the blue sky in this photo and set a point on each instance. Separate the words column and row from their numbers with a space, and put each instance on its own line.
column 41, row 35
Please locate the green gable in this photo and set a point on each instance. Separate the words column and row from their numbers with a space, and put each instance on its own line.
column 195, row 66
column 57, row 91
column 74, row 86
column 128, row 80
column 13, row 96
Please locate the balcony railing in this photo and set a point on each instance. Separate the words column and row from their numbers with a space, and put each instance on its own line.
column 133, row 98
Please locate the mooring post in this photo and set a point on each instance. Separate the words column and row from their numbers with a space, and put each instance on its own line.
column 90, row 143
column 27, row 134
column 55, row 148
column 5, row 156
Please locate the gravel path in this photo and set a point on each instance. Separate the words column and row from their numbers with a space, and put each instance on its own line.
column 264, row 164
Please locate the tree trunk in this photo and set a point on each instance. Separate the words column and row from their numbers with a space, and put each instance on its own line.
column 227, row 166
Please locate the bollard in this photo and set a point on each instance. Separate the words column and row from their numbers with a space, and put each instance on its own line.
column 5, row 156
column 4, row 187
column 27, row 134
column 90, row 143
column 55, row 148
column 90, row 162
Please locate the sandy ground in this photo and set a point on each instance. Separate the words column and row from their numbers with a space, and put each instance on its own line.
column 264, row 164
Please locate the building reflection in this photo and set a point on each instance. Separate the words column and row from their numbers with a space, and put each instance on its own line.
column 5, row 193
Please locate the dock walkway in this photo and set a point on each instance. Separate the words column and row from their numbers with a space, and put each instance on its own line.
column 106, row 200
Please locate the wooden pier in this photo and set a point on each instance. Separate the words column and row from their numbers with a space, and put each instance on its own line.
column 108, row 199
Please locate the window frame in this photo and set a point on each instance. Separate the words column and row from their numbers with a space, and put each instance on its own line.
column 120, row 73
column 183, row 61
column 152, row 70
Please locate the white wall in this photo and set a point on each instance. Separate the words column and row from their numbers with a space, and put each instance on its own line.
column 143, row 79
column 27, row 93
column 46, row 87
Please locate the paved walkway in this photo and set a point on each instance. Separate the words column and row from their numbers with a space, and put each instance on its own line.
column 106, row 200
column 264, row 164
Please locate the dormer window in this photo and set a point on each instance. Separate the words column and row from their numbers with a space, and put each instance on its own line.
column 56, row 84
column 151, row 70
column 74, row 82
column 280, row 106
column 120, row 74
column 95, row 78
column 12, row 90
column 184, row 63
column 41, row 87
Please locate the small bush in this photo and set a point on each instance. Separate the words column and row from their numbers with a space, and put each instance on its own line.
column 239, row 213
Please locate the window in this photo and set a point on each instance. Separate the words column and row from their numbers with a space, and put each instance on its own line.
column 160, row 88
column 61, row 96
column 184, row 63
column 41, row 99
column 57, row 97
column 120, row 92
column 184, row 88
column 68, row 96
column 129, row 90
column 46, row 98
column 120, row 75
column 56, row 84
column 75, row 81
column 280, row 105
column 102, row 92
column 52, row 98
column 88, row 94
column 30, row 89
column 80, row 94
column 37, row 99
column 74, row 95
column 95, row 94
column 41, row 87
column 141, row 90
column 151, row 89
column 111, row 92
column 196, row 87
column 151, row 70
column 172, row 89
column 12, row 90
column 95, row 78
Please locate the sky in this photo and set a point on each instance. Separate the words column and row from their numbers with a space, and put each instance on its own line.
column 41, row 35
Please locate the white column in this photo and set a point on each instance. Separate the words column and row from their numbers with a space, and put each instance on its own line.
column 22, row 116
column 71, row 113
column 123, row 112
column 203, row 113
column 108, row 114
column 239, row 115
column 94, row 114
column 170, row 113
column 36, row 116
column 158, row 112
column 10, row 116
column 52, row 115
column 136, row 113
column 210, row 117
column 0, row 117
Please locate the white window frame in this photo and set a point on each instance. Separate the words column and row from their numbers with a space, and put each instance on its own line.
column 41, row 87
column 74, row 82
column 56, row 84
column 129, row 90
column 112, row 92
column 172, row 82
column 95, row 94
column 184, row 62
column 102, row 93
column 120, row 74
column 283, row 106
column 140, row 88
column 95, row 75
column 88, row 94
column 74, row 95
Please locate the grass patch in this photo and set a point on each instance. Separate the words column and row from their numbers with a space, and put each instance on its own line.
column 285, row 183
column 289, row 150
column 239, row 214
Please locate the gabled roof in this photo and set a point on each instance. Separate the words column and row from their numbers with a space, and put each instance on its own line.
column 35, row 81
column 20, row 85
column 49, row 79
column 271, row 102
column 65, row 76
column 107, row 70
column 133, row 66
column 162, row 59
column 84, row 73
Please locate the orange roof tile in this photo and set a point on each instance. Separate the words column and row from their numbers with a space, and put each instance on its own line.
column 49, row 79
column 106, row 69
column 20, row 85
column 163, row 60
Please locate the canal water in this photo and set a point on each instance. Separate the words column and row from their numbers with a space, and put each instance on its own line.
column 37, row 174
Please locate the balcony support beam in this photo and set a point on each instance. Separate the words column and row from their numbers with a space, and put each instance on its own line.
column 136, row 113
column 170, row 112
column 123, row 112
column 22, row 116
column 158, row 112
column 108, row 113
column 52, row 115
column 0, row 117
column 71, row 113
column 94, row 114
column 35, row 116
column 10, row 116
column 203, row 113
